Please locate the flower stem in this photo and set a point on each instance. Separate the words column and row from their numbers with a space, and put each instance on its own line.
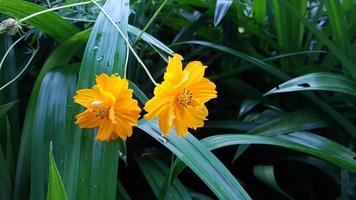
column 126, row 40
column 53, row 9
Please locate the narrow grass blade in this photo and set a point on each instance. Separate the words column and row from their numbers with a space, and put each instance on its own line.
column 6, row 107
column 222, row 6
column 155, row 173
column 299, row 141
column 317, row 81
column 55, row 185
column 265, row 173
column 199, row 159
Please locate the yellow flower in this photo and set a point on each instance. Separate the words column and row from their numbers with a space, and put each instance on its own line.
column 179, row 100
column 109, row 106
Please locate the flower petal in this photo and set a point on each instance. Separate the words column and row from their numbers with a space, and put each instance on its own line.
column 165, row 121
column 87, row 119
column 113, row 84
column 194, row 117
column 174, row 71
column 105, row 131
column 122, row 129
column 85, row 96
column 203, row 90
column 155, row 106
column 195, row 71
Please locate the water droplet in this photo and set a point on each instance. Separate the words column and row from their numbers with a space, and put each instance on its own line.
column 94, row 50
column 95, row 187
column 100, row 58
column 241, row 29
column 162, row 139
column 116, row 74
column 120, row 153
column 109, row 64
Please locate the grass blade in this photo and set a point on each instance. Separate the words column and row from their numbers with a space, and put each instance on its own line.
column 317, row 81
column 55, row 185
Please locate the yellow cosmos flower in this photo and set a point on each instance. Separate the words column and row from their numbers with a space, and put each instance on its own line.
column 179, row 100
column 109, row 106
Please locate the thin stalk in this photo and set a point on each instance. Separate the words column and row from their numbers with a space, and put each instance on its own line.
column 53, row 9
column 22, row 71
column 126, row 40
column 150, row 22
column 127, row 61
column 10, row 48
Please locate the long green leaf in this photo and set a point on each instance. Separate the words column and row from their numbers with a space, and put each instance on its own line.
column 6, row 107
column 222, row 6
column 155, row 172
column 55, row 185
column 59, row 57
column 90, row 170
column 317, row 81
column 51, row 111
column 49, row 23
column 200, row 160
column 299, row 141
column 265, row 173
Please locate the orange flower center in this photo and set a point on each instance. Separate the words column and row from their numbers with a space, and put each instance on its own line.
column 100, row 109
column 185, row 98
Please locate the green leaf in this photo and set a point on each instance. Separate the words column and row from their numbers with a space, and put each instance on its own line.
column 49, row 23
column 59, row 57
column 55, row 185
column 222, row 6
column 90, row 169
column 121, row 192
column 57, row 89
column 150, row 39
column 155, row 173
column 317, row 81
column 259, row 11
column 299, row 141
column 199, row 159
column 6, row 107
column 265, row 173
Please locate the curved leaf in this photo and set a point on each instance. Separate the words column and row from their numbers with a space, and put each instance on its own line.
column 51, row 24
column 317, row 81
column 199, row 159
column 155, row 172
column 299, row 141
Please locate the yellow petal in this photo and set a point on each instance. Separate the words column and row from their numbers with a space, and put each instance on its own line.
column 181, row 127
column 85, row 96
column 195, row 71
column 203, row 90
column 155, row 106
column 174, row 71
column 105, row 131
column 165, row 121
column 113, row 84
column 194, row 117
column 87, row 119
column 122, row 129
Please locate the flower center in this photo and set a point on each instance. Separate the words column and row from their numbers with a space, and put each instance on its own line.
column 185, row 98
column 100, row 109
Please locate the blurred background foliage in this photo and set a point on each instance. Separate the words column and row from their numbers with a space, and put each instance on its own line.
column 282, row 127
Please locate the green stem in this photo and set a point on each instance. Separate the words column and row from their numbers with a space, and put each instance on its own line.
column 53, row 9
column 150, row 22
column 127, row 41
